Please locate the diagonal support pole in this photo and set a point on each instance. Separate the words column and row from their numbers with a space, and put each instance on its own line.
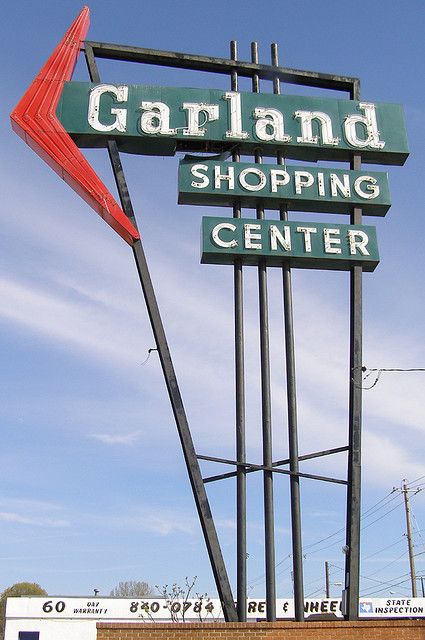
column 192, row 465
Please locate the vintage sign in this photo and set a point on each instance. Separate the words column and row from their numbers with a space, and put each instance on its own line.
column 161, row 120
column 303, row 244
column 301, row 188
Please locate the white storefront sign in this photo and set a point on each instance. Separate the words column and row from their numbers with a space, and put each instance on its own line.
column 68, row 618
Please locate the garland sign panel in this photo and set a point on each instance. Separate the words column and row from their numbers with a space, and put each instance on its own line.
column 161, row 120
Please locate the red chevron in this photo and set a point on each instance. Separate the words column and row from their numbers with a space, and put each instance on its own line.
column 34, row 119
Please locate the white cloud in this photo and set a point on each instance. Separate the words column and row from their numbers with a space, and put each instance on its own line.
column 28, row 504
column 116, row 438
column 164, row 521
column 34, row 521
column 387, row 461
column 90, row 328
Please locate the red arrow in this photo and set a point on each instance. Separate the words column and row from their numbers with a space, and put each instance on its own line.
column 34, row 119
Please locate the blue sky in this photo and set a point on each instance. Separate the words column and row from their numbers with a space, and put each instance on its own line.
column 94, row 489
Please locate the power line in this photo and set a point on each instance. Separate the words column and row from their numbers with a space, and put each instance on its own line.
column 341, row 540
column 381, row 517
column 364, row 514
column 384, row 549
column 389, row 584
column 375, row 508
column 414, row 481
column 378, row 373
column 402, row 555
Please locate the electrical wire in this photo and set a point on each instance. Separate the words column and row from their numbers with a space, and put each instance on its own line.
column 389, row 584
column 149, row 355
column 384, row 549
column 376, row 504
column 402, row 555
column 383, row 516
column 378, row 373
column 381, row 504
column 383, row 582
column 370, row 512
column 417, row 479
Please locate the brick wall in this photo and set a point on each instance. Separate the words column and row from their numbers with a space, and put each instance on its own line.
column 335, row 630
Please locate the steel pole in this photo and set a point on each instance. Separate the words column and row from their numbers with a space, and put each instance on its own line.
column 352, row 561
column 241, row 554
column 291, row 392
column 265, row 406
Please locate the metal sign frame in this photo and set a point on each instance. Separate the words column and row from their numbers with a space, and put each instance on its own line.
column 276, row 74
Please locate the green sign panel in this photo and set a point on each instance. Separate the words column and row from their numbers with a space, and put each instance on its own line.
column 163, row 120
column 216, row 183
column 302, row 244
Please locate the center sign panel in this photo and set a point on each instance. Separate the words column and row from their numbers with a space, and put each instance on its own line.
column 308, row 246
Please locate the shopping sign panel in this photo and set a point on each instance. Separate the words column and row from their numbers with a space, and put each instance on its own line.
column 161, row 120
column 302, row 244
column 300, row 188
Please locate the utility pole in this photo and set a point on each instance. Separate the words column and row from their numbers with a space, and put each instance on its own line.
column 405, row 491
column 327, row 585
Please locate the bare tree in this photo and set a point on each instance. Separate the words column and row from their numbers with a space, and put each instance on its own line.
column 177, row 599
column 133, row 589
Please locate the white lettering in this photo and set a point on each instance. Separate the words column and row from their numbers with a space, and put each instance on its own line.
column 330, row 241
column 359, row 244
column 120, row 122
column 321, row 183
column 249, row 236
column 269, row 125
column 235, row 116
column 229, row 177
column 300, row 183
column 277, row 237
column 252, row 187
column 342, row 187
column 195, row 170
column 156, row 118
column 307, row 231
column 194, row 110
column 368, row 124
column 325, row 125
column 372, row 188
column 223, row 243
column 278, row 178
